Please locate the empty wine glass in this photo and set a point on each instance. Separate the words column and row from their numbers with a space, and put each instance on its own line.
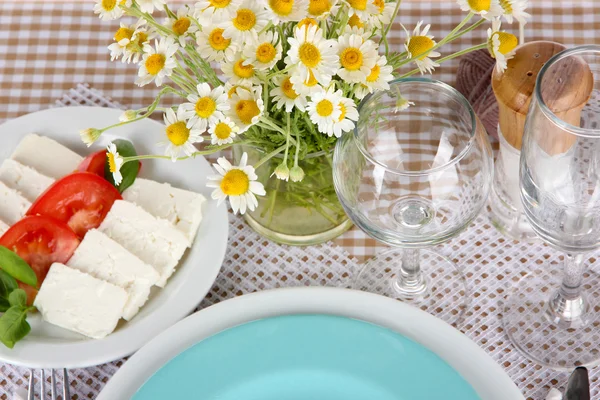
column 413, row 178
column 558, row 324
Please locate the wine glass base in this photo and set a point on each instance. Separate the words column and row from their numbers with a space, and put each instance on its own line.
column 445, row 294
column 537, row 334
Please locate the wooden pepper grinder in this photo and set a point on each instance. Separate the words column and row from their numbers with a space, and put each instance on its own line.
column 514, row 89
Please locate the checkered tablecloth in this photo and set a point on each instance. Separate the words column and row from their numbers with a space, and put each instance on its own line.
column 48, row 47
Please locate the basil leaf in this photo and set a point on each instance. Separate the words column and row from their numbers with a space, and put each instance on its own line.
column 18, row 298
column 14, row 325
column 4, row 304
column 7, row 285
column 128, row 170
column 16, row 267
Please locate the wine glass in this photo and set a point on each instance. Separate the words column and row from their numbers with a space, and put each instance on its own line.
column 414, row 178
column 554, row 323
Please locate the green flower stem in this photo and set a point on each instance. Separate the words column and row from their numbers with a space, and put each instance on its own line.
column 211, row 150
column 184, row 73
column 287, row 138
column 283, row 71
column 182, row 83
column 469, row 29
column 269, row 156
column 169, row 12
column 449, row 57
column 389, row 26
column 209, row 73
column 297, row 147
column 134, row 11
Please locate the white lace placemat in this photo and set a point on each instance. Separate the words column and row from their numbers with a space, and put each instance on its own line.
column 491, row 263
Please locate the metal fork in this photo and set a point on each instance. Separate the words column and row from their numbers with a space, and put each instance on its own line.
column 65, row 392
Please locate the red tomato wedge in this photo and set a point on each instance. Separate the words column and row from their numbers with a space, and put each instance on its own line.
column 94, row 163
column 81, row 200
column 40, row 241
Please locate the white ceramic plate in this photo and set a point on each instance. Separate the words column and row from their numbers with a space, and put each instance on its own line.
column 485, row 376
column 48, row 346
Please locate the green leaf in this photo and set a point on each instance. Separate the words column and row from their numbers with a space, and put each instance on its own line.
column 14, row 325
column 7, row 285
column 129, row 170
column 18, row 298
column 16, row 267
column 4, row 304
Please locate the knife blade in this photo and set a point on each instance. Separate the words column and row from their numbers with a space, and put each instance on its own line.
column 578, row 386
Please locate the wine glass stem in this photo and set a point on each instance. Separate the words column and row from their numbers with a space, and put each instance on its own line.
column 410, row 281
column 568, row 305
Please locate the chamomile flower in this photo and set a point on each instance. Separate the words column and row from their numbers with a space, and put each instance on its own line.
column 286, row 10
column 402, row 104
column 378, row 79
column 243, row 26
column 322, row 8
column 212, row 46
column 214, row 11
column 306, row 22
column 128, row 116
column 265, row 53
column 363, row 8
column 115, row 162
column 488, row 9
column 181, row 133
column 89, row 135
column 355, row 30
column 238, row 183
column 310, row 52
column 383, row 15
column 357, row 57
column 148, row 6
column 206, row 106
column 110, row 9
column 420, row 43
column 231, row 89
column 347, row 118
column 307, row 87
column 501, row 45
column 122, row 38
column 285, row 95
column 356, row 22
column 181, row 26
column 158, row 62
column 515, row 9
column 324, row 110
column 223, row 132
column 239, row 72
column 246, row 107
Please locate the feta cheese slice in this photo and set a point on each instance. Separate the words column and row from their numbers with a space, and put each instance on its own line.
column 155, row 241
column 46, row 156
column 13, row 205
column 24, row 179
column 103, row 258
column 3, row 227
column 79, row 302
column 180, row 207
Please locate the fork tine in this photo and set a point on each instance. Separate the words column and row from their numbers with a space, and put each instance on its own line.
column 31, row 388
column 66, row 394
column 53, row 384
column 43, row 394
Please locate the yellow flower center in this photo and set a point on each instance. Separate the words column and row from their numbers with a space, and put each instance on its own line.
column 419, row 45
column 244, row 20
column 288, row 89
column 309, row 55
column 506, row 6
column 325, row 108
column 205, row 107
column 178, row 133
column 217, row 41
column 281, row 7
column 109, row 5
column 219, row 3
column 351, row 58
column 246, row 110
column 312, row 81
column 181, row 26
column 222, row 130
column 235, row 182
column 155, row 63
column 243, row 71
column 360, row 5
column 142, row 38
column 123, row 33
column 266, row 52
column 307, row 22
column 380, row 4
column 374, row 75
column 318, row 7
column 112, row 163
column 233, row 90
column 355, row 21
column 343, row 114
column 479, row 5
column 508, row 42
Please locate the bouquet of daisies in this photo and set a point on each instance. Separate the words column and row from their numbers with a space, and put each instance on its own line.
column 281, row 75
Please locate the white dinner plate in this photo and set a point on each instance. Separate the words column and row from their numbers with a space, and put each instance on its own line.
column 48, row 346
column 487, row 379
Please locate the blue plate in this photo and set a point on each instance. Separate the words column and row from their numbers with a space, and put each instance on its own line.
column 307, row 357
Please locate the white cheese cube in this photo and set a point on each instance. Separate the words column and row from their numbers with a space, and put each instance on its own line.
column 24, row 179
column 79, row 302
column 46, row 156
column 13, row 205
column 3, row 228
column 103, row 258
column 155, row 241
column 180, row 207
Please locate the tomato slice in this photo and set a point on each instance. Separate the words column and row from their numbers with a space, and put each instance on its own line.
column 40, row 241
column 94, row 163
column 81, row 200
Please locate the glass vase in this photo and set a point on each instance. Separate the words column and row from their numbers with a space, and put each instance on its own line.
column 296, row 213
